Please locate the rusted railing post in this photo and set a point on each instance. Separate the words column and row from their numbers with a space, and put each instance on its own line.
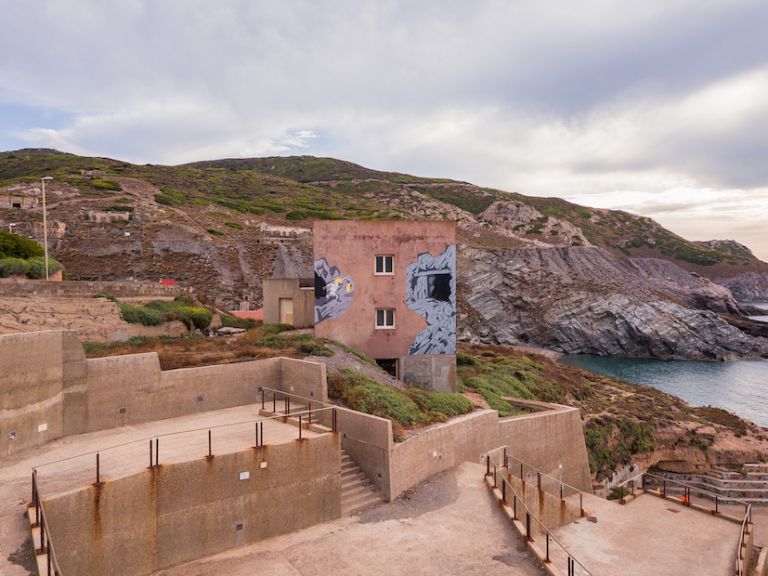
column 210, row 452
column 495, row 483
column 547, row 559
column 98, row 469
column 538, row 480
column 151, row 455
column 521, row 471
column 514, row 507
column 581, row 504
column 503, row 491
column 262, row 398
column 274, row 402
column 664, row 488
column 261, row 433
column 506, row 463
column 717, row 505
column 157, row 451
column 299, row 427
column 334, row 423
column 487, row 465
column 528, row 526
column 309, row 415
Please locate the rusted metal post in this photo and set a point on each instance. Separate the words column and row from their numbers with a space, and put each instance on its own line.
column 157, row 451
column 261, row 432
column 528, row 526
column 334, row 421
column 521, row 470
column 538, row 480
column 717, row 504
column 547, row 559
column 495, row 484
column 299, row 427
column 581, row 504
column 274, row 402
column 309, row 415
column 487, row 464
column 98, row 469
column 561, row 490
column 48, row 561
column 151, row 455
column 262, row 398
column 42, row 534
column 503, row 492
column 514, row 507
column 664, row 488
column 506, row 465
column 210, row 453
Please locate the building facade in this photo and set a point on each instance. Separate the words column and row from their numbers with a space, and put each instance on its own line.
column 289, row 301
column 388, row 289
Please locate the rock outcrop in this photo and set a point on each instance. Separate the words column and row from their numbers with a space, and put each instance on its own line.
column 584, row 300
column 747, row 287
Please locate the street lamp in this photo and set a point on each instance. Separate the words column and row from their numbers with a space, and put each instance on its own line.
column 45, row 225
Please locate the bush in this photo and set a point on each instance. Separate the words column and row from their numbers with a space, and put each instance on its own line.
column 440, row 406
column 229, row 321
column 37, row 267
column 13, row 267
column 183, row 310
column 234, row 225
column 17, row 246
column 102, row 184
column 215, row 232
column 141, row 315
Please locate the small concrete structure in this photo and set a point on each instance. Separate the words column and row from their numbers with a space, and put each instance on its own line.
column 289, row 301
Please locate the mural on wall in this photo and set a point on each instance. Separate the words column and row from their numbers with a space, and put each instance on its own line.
column 333, row 291
column 431, row 293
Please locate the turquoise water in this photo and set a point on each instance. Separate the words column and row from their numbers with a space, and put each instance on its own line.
column 739, row 387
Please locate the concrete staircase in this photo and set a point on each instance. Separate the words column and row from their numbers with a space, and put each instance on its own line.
column 357, row 490
column 749, row 485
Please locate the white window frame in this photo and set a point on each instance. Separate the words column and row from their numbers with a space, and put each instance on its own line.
column 384, row 326
column 383, row 264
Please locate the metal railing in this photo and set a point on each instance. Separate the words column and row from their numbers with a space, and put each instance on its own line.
column 572, row 564
column 46, row 542
column 686, row 499
column 543, row 480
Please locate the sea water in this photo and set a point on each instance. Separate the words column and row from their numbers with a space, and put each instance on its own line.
column 740, row 387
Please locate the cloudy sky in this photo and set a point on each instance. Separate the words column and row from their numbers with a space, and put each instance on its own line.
column 656, row 107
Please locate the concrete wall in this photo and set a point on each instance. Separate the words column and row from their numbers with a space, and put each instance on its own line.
column 86, row 289
column 303, row 301
column 546, row 440
column 543, row 440
column 48, row 388
column 368, row 441
column 441, row 447
column 178, row 512
column 436, row 371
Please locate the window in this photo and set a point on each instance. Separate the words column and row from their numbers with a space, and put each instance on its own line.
column 385, row 318
column 385, row 265
column 388, row 364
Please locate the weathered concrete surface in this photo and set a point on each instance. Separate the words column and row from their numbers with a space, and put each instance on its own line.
column 303, row 301
column 447, row 525
column 16, row 556
column 174, row 513
column 651, row 536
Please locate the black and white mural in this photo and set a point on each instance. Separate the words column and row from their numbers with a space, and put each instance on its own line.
column 333, row 291
column 431, row 292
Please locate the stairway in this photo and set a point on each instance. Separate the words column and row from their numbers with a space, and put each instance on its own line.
column 357, row 490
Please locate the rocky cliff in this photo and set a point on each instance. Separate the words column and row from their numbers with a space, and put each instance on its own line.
column 541, row 271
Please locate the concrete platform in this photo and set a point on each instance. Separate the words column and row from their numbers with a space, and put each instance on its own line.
column 446, row 525
column 123, row 451
column 651, row 536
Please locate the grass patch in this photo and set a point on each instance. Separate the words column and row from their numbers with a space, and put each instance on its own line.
column 183, row 310
column 234, row 225
column 215, row 232
column 230, row 321
column 102, row 184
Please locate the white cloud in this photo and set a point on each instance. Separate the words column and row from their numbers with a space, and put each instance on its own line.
column 651, row 106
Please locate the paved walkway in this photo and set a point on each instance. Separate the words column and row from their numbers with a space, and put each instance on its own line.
column 651, row 536
column 132, row 455
column 446, row 525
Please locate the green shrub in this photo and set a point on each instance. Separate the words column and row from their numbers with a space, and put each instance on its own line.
column 183, row 310
column 365, row 394
column 141, row 315
column 102, row 184
column 18, row 246
column 269, row 329
column 13, row 267
column 234, row 225
column 440, row 406
column 230, row 321
column 618, row 492
column 37, row 267
column 215, row 232
column 169, row 197
column 119, row 208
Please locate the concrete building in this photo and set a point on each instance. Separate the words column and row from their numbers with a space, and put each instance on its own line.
column 289, row 301
column 388, row 289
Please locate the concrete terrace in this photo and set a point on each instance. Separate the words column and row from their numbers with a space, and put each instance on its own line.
column 650, row 535
column 445, row 525
column 132, row 455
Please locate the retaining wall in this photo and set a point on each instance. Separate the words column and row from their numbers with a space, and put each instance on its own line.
column 86, row 289
column 175, row 513
column 48, row 389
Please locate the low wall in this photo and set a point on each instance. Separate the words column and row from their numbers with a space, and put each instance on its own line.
column 175, row 513
column 86, row 289
column 48, row 389
column 368, row 441
column 542, row 439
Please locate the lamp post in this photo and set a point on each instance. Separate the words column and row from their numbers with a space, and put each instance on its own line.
column 45, row 225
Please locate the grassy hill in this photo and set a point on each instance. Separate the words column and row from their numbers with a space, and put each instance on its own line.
column 301, row 189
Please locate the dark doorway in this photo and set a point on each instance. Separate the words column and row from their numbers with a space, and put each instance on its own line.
column 388, row 364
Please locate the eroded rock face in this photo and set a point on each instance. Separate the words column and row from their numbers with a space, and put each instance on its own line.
column 749, row 286
column 584, row 300
column 515, row 219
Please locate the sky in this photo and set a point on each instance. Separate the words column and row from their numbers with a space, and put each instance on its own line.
column 655, row 107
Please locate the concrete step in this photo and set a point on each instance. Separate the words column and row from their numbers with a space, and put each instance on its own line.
column 360, row 501
column 357, row 490
column 353, row 491
column 352, row 474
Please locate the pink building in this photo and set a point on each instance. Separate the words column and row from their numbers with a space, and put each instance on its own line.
column 388, row 289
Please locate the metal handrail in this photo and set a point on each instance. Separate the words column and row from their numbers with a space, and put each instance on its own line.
column 529, row 514
column 740, row 569
column 542, row 474
column 52, row 563
column 168, row 434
